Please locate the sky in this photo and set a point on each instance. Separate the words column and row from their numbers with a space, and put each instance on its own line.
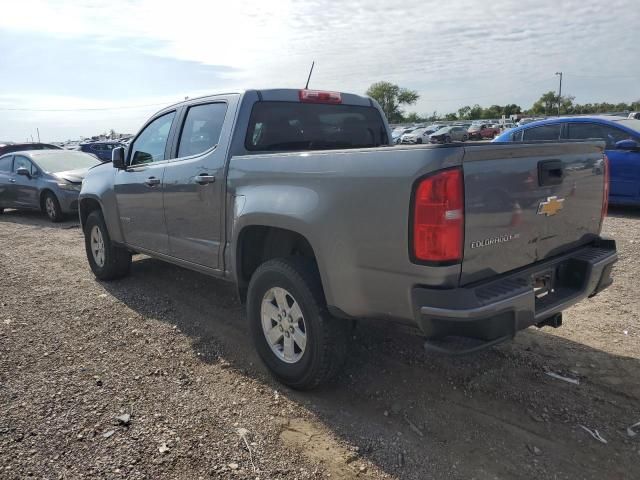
column 79, row 68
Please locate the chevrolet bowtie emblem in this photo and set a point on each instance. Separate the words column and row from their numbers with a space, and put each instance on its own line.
column 550, row 206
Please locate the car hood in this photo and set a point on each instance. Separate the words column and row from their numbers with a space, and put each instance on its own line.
column 73, row 176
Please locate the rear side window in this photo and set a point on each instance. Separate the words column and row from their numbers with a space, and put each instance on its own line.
column 517, row 136
column 5, row 164
column 281, row 126
column 202, row 127
column 543, row 132
column 582, row 131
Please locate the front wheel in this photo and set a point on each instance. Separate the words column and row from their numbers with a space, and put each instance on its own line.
column 465, row 138
column 52, row 207
column 296, row 337
column 106, row 260
column 447, row 139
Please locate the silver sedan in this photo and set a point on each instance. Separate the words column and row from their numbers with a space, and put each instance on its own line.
column 46, row 180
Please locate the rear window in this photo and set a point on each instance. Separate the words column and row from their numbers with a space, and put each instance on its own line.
column 281, row 126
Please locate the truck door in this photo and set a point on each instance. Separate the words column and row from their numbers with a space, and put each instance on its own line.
column 138, row 188
column 194, row 183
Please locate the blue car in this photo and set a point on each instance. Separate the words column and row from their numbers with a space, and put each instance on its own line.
column 102, row 150
column 622, row 136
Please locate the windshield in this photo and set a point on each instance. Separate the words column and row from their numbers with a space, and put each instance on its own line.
column 281, row 126
column 65, row 160
column 630, row 123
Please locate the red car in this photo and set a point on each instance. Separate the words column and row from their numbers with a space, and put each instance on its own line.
column 482, row 130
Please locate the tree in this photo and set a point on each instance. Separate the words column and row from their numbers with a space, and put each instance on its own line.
column 391, row 97
column 548, row 103
column 463, row 113
column 413, row 117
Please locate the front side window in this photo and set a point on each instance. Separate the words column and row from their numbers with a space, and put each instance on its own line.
column 202, row 127
column 281, row 126
column 543, row 132
column 583, row 131
column 151, row 143
column 23, row 162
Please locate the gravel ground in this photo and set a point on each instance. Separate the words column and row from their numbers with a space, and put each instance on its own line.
column 154, row 377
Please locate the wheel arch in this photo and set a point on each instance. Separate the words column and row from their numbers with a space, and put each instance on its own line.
column 256, row 244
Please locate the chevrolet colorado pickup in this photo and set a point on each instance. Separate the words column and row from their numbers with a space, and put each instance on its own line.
column 298, row 197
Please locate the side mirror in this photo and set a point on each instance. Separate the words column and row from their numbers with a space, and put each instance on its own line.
column 117, row 157
column 23, row 171
column 627, row 145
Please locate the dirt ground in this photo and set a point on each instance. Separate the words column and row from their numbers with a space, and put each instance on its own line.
column 154, row 377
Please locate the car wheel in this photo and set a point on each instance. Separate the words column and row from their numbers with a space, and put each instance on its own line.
column 292, row 330
column 447, row 139
column 106, row 260
column 52, row 208
column 465, row 137
column 1, row 211
column 419, row 140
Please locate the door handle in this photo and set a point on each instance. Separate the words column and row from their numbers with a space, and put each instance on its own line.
column 12, row 180
column 204, row 179
column 152, row 181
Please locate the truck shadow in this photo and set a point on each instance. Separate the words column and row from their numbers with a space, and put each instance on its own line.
column 496, row 414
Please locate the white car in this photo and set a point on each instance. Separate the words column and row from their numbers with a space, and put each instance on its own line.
column 419, row 135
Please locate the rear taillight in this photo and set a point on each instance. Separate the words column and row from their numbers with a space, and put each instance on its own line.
column 438, row 217
column 605, row 189
column 317, row 96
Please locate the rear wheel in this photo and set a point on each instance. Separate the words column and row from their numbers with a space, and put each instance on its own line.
column 52, row 207
column 419, row 140
column 465, row 137
column 447, row 139
column 106, row 260
column 296, row 337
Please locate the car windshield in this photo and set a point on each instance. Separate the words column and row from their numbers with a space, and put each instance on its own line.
column 64, row 160
column 630, row 123
column 282, row 126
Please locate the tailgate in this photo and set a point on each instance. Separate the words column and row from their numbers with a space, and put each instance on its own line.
column 528, row 202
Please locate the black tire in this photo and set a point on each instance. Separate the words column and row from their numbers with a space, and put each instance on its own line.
column 326, row 336
column 51, row 207
column 1, row 210
column 465, row 137
column 419, row 140
column 117, row 260
column 447, row 139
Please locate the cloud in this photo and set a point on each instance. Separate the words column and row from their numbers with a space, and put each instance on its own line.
column 453, row 53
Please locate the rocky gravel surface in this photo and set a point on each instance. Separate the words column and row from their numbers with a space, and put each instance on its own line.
column 154, row 377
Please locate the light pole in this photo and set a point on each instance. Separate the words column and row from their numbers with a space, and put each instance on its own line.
column 559, row 91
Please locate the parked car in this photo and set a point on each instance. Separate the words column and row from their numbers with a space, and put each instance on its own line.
column 284, row 193
column 419, row 135
column 449, row 134
column 397, row 133
column 102, row 150
column 46, row 180
column 634, row 115
column 479, row 131
column 8, row 147
column 622, row 137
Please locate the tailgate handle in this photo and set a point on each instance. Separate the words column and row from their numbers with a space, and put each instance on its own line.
column 550, row 172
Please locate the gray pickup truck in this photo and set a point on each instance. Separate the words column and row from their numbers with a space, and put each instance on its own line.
column 298, row 198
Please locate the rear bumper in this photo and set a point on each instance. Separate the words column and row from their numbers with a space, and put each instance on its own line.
column 503, row 306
